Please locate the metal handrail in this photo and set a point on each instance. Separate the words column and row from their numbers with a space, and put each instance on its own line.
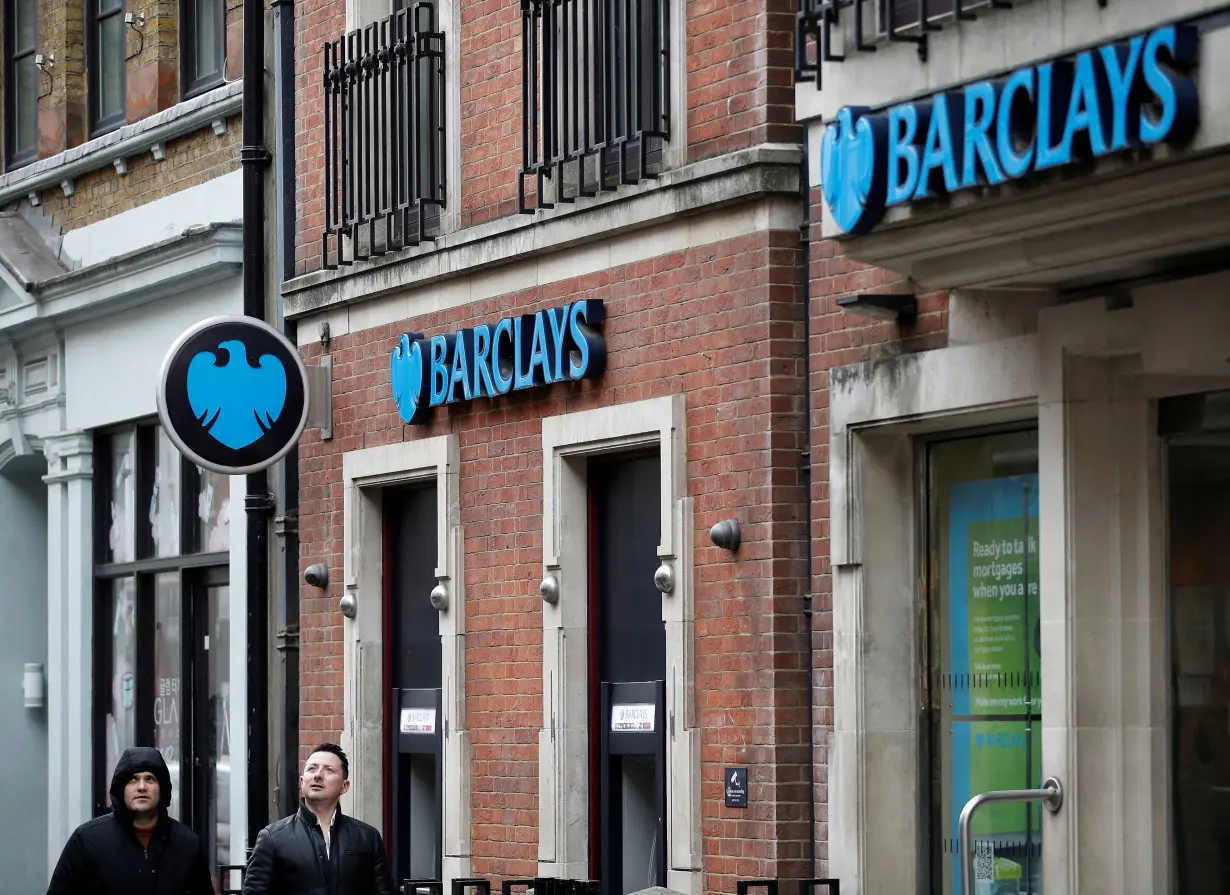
column 1050, row 795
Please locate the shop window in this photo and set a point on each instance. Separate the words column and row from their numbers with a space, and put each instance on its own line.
column 983, row 682
column 202, row 44
column 1198, row 467
column 106, row 49
column 21, row 83
column 162, row 634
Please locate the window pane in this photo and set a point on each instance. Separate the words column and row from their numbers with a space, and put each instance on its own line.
column 25, row 28
column 164, row 518
column 218, row 731
column 111, row 66
column 25, row 115
column 213, row 512
column 121, row 720
column 1199, row 510
column 985, row 638
column 208, row 26
column 123, row 497
column 168, row 687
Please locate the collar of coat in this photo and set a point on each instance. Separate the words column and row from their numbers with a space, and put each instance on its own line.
column 309, row 817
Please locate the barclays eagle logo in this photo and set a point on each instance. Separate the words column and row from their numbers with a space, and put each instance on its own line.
column 235, row 401
column 852, row 169
column 406, row 368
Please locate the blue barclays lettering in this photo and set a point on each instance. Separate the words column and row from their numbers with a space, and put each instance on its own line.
column 552, row 345
column 1117, row 97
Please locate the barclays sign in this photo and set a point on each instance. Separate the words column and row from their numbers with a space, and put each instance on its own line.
column 1116, row 98
column 553, row 345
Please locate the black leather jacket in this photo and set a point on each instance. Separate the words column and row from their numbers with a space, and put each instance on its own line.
column 290, row 859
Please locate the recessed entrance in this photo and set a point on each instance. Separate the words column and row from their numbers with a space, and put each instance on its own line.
column 627, row 655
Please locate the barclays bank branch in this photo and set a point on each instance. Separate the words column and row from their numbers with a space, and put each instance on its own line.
column 1048, row 181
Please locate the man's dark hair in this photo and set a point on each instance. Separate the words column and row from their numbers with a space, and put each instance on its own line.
column 335, row 749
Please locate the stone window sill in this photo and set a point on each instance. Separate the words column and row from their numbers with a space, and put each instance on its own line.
column 116, row 147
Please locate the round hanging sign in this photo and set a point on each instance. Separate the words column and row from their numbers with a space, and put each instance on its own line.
column 233, row 394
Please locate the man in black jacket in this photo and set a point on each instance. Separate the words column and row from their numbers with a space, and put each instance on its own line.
column 318, row 850
column 137, row 849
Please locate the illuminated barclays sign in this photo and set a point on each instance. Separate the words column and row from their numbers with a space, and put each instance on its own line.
column 553, row 345
column 1116, row 98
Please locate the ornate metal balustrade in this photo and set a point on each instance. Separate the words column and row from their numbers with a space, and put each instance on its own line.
column 384, row 136
column 595, row 88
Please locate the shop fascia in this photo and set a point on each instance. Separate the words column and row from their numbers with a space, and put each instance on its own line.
column 1115, row 98
column 559, row 344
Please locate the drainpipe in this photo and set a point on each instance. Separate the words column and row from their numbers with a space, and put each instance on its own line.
column 286, row 524
column 808, row 620
column 253, row 157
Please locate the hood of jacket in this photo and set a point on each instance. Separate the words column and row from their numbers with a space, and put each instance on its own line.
column 131, row 763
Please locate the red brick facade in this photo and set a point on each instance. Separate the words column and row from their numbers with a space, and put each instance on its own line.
column 723, row 325
column 739, row 87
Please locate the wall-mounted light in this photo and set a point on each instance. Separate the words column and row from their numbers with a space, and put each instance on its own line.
column 902, row 308
column 32, row 685
column 44, row 63
column 549, row 590
column 727, row 535
column 664, row 578
column 348, row 605
column 439, row 597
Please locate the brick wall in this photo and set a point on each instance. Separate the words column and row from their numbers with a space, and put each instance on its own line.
column 722, row 324
column 152, row 69
column 738, row 74
column 836, row 339
column 190, row 161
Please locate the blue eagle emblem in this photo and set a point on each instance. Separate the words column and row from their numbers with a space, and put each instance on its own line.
column 235, row 401
column 852, row 169
column 406, row 369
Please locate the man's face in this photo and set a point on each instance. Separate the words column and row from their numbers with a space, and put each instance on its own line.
column 141, row 793
column 322, row 778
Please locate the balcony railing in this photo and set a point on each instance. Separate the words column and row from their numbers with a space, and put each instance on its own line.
column 384, row 136
column 909, row 21
column 595, row 91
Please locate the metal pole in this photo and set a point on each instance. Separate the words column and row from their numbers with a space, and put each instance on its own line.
column 1050, row 795
column 253, row 157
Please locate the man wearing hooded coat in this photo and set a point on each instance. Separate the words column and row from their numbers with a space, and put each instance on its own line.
column 137, row 849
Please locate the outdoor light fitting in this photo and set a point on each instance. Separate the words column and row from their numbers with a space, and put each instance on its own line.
column 902, row 308
column 726, row 535
column 439, row 597
column 349, row 606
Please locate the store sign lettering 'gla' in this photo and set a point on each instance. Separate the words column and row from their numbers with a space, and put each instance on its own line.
column 1116, row 98
column 553, row 345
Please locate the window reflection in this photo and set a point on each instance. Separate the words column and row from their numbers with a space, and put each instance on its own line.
column 213, row 512
column 168, row 689
column 121, row 720
column 122, row 537
column 164, row 519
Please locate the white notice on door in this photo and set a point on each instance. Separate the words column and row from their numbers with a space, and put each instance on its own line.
column 418, row 720
column 637, row 716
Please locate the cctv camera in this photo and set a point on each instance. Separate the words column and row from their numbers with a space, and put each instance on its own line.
column 317, row 575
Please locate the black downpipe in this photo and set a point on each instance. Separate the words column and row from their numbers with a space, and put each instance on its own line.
column 253, row 157
column 808, row 615
column 287, row 523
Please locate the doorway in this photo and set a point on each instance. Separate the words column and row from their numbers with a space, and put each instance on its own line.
column 414, row 735
column 1198, row 527
column 627, row 664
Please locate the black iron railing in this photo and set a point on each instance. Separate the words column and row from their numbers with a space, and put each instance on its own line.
column 595, row 96
column 910, row 21
column 384, row 136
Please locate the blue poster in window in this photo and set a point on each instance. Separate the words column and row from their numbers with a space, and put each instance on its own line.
column 995, row 667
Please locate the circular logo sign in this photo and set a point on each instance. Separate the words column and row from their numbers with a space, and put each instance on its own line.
column 233, row 395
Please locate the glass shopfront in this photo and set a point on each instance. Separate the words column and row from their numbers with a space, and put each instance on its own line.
column 162, row 640
column 983, row 663
column 1198, row 468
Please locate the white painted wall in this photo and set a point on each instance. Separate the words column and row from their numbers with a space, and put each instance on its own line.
column 112, row 364
column 214, row 202
column 23, row 638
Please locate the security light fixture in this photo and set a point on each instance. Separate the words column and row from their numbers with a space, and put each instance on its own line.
column 348, row 605
column 901, row 308
column 726, row 535
column 439, row 597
